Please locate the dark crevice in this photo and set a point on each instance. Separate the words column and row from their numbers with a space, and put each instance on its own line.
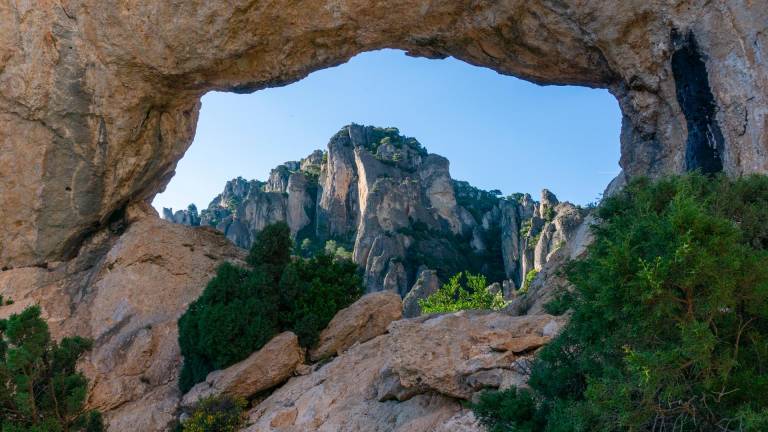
column 705, row 145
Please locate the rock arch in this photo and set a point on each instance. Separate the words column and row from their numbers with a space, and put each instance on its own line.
column 99, row 99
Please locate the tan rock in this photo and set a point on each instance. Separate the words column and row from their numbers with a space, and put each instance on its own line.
column 409, row 379
column 99, row 102
column 126, row 293
column 360, row 322
column 441, row 353
column 341, row 397
column 273, row 364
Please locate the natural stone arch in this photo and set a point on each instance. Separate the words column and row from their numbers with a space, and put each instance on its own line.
column 99, row 99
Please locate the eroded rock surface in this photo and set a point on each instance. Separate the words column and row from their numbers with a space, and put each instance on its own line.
column 411, row 378
column 363, row 320
column 273, row 364
column 126, row 293
column 98, row 101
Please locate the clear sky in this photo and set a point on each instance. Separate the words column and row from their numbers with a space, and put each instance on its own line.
column 499, row 132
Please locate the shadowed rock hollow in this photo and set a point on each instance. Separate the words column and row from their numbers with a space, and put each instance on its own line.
column 99, row 99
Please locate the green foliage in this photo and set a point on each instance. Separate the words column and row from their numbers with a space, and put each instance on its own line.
column 509, row 410
column 670, row 314
column 549, row 214
column 528, row 280
column 560, row 304
column 234, row 317
column 313, row 290
column 449, row 254
column 462, row 292
column 333, row 249
column 216, row 414
column 242, row 309
column 380, row 136
column 40, row 390
column 475, row 200
column 271, row 250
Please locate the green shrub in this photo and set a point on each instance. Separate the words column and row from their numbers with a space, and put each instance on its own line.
column 40, row 390
column 528, row 280
column 455, row 296
column 509, row 410
column 234, row 317
column 313, row 290
column 670, row 316
column 216, row 414
column 271, row 250
column 240, row 309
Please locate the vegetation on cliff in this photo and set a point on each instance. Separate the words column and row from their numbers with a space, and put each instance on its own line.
column 40, row 390
column 242, row 309
column 670, row 318
column 464, row 291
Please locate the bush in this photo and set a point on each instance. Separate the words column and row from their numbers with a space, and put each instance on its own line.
column 216, row 414
column 234, row 317
column 40, row 390
column 509, row 410
column 242, row 309
column 313, row 290
column 454, row 296
column 528, row 280
column 670, row 314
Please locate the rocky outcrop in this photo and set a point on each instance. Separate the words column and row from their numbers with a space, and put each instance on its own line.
column 268, row 367
column 126, row 292
column 183, row 217
column 410, row 379
column 362, row 321
column 427, row 283
column 98, row 103
column 397, row 208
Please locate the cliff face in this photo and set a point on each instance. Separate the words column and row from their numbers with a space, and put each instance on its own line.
column 382, row 197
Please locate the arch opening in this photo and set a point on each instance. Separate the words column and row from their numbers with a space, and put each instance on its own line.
column 502, row 140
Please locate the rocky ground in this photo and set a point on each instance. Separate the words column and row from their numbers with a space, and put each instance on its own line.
column 129, row 286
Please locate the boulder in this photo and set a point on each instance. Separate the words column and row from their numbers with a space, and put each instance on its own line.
column 410, row 379
column 268, row 367
column 361, row 321
column 445, row 353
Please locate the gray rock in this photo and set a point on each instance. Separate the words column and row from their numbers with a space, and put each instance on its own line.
column 426, row 284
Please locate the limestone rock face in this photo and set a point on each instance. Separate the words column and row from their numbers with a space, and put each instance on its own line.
column 360, row 322
column 426, row 284
column 273, row 364
column 409, row 379
column 99, row 102
column 379, row 196
column 126, row 293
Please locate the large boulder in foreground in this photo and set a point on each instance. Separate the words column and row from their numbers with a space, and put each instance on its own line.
column 459, row 354
column 273, row 364
column 411, row 379
column 362, row 321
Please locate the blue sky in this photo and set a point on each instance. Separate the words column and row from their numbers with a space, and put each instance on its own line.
column 499, row 132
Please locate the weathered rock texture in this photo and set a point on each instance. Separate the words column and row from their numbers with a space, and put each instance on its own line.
column 126, row 293
column 273, row 364
column 99, row 100
column 410, row 379
column 362, row 321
